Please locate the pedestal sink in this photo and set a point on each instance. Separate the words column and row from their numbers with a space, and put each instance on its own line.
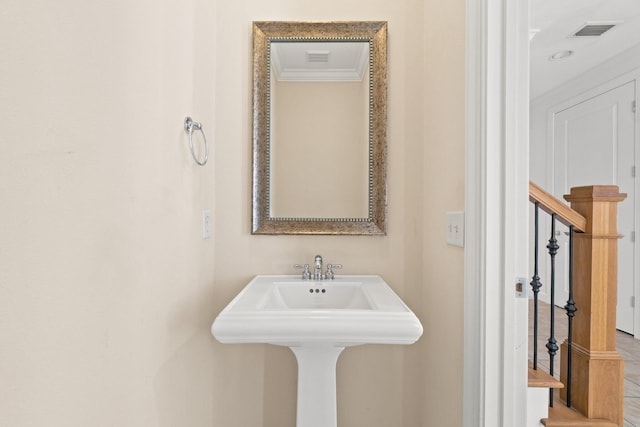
column 317, row 320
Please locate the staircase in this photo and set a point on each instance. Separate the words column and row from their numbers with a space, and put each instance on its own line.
column 538, row 395
column 590, row 389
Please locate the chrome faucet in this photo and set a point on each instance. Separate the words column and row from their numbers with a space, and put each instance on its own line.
column 317, row 269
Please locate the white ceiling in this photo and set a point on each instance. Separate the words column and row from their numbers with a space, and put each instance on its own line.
column 556, row 20
column 319, row 61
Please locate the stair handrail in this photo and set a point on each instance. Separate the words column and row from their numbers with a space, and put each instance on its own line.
column 552, row 205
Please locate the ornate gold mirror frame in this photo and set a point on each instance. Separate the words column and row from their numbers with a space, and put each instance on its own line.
column 374, row 33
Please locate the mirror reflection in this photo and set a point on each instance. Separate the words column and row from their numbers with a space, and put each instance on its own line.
column 319, row 133
column 319, row 128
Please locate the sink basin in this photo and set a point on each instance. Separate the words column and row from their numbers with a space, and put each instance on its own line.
column 306, row 296
column 285, row 310
column 317, row 320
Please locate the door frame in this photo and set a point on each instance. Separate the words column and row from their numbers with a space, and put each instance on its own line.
column 496, row 205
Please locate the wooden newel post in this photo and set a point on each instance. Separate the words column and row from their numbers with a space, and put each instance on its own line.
column 597, row 368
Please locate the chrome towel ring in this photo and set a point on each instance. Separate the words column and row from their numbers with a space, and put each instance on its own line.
column 189, row 126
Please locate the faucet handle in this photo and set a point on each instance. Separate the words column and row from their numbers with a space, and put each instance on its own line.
column 306, row 274
column 330, row 275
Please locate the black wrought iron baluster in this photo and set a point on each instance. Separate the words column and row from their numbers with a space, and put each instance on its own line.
column 571, row 311
column 535, row 286
column 552, row 344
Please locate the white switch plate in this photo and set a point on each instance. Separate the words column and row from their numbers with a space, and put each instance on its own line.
column 455, row 228
column 206, row 224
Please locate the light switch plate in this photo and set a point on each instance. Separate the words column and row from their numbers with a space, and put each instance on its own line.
column 206, row 224
column 455, row 228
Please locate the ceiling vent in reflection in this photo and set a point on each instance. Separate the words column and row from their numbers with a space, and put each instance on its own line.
column 594, row 29
column 317, row 56
column 317, row 61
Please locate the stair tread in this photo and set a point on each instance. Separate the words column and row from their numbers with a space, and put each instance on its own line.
column 541, row 379
column 561, row 416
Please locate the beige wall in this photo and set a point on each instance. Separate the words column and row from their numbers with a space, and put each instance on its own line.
column 443, row 175
column 105, row 283
column 107, row 290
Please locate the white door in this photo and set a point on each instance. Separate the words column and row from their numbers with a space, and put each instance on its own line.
column 593, row 144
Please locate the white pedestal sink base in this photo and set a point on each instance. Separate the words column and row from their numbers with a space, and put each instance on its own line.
column 317, row 385
column 317, row 320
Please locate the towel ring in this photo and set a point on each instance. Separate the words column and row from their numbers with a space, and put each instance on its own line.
column 189, row 126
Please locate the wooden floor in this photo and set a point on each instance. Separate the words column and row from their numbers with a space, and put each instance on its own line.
column 628, row 347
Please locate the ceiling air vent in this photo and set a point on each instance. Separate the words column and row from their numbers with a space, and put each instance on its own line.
column 317, row 55
column 593, row 29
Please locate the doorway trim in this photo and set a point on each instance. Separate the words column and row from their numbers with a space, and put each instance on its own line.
column 496, row 205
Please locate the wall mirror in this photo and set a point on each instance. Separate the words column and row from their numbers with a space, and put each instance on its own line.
column 319, row 127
